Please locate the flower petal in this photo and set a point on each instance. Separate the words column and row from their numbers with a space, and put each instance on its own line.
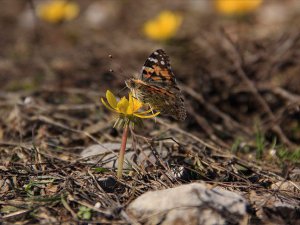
column 137, row 104
column 231, row 7
column 164, row 26
column 71, row 11
column 112, row 101
column 122, row 105
column 57, row 11
column 134, row 104
column 146, row 116
column 107, row 106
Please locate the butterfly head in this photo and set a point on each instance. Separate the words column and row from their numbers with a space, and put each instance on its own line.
column 133, row 85
column 130, row 83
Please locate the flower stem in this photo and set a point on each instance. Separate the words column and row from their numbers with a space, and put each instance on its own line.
column 122, row 151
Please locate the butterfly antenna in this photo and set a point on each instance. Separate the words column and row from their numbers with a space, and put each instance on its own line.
column 119, row 70
column 117, row 67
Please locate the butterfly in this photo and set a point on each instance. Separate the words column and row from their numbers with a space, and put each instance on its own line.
column 157, row 86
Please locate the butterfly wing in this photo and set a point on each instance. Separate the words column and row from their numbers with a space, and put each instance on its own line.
column 163, row 100
column 157, row 71
column 159, row 87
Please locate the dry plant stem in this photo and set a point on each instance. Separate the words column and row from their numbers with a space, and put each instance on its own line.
column 239, row 61
column 122, row 151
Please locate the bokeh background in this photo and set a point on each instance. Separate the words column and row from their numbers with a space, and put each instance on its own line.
column 76, row 46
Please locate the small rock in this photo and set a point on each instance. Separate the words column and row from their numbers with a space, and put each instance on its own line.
column 182, row 173
column 27, row 19
column 189, row 204
column 275, row 208
column 295, row 175
column 108, row 184
column 101, row 14
column 102, row 153
column 287, row 186
column 106, row 155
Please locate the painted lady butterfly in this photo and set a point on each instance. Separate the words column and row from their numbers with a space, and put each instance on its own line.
column 157, row 86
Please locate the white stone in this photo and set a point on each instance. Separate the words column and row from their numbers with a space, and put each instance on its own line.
column 191, row 204
column 106, row 154
column 101, row 13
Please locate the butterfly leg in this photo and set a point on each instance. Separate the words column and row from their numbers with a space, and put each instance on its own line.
column 152, row 111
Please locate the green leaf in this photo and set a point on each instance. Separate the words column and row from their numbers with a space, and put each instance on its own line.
column 8, row 209
column 100, row 170
column 84, row 213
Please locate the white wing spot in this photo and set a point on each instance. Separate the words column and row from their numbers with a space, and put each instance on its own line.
column 155, row 53
column 162, row 62
column 153, row 60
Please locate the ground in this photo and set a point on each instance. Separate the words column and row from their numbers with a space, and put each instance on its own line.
column 239, row 75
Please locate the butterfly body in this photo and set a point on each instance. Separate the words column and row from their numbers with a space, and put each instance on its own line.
column 157, row 86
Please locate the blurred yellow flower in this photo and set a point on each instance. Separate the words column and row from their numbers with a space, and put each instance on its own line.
column 163, row 27
column 237, row 7
column 57, row 11
column 127, row 109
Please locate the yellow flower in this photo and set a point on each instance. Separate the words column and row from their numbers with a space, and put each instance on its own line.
column 237, row 7
column 57, row 11
column 127, row 110
column 163, row 27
